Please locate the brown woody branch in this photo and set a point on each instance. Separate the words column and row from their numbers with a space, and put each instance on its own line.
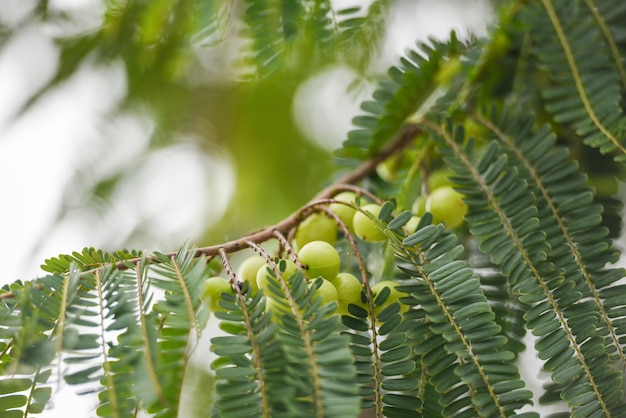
column 283, row 227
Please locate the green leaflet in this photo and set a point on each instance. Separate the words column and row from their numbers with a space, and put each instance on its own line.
column 180, row 317
column 89, row 258
column 454, row 306
column 571, row 216
column 408, row 88
column 319, row 34
column 83, row 308
column 533, row 272
column 570, row 44
column 389, row 383
column 360, row 36
column 33, row 396
column 27, row 346
column 298, row 364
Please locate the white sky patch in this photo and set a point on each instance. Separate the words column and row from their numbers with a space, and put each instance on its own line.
column 27, row 62
column 323, row 104
column 179, row 191
column 14, row 11
column 71, row 130
column 79, row 16
column 70, row 5
column 171, row 194
column 38, row 155
column 412, row 21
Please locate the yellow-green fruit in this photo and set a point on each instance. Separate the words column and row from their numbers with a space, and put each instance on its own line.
column 392, row 168
column 439, row 178
column 364, row 227
column 317, row 227
column 275, row 305
column 344, row 212
column 419, row 205
column 386, row 169
column 327, row 292
column 213, row 289
column 248, row 270
column 348, row 288
column 394, row 296
column 474, row 130
column 447, row 206
column 412, row 224
column 286, row 267
column 320, row 259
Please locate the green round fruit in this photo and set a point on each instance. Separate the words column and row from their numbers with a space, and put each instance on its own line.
column 439, row 178
column 344, row 212
column 348, row 288
column 327, row 292
column 412, row 224
column 320, row 259
column 394, row 296
column 287, row 269
column 248, row 270
column 364, row 227
column 386, row 170
column 473, row 129
column 419, row 205
column 277, row 306
column 317, row 227
column 395, row 166
column 447, row 206
column 213, row 289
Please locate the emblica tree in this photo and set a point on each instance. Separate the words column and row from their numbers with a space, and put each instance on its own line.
column 469, row 208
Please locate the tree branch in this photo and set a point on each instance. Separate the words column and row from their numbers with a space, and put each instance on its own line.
column 324, row 197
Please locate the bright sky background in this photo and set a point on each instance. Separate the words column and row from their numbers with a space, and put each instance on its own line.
column 41, row 149
column 68, row 131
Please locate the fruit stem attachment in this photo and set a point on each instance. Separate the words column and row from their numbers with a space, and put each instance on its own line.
column 288, row 248
column 256, row 350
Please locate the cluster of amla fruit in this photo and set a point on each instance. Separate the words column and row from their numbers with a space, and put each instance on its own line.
column 314, row 241
column 319, row 259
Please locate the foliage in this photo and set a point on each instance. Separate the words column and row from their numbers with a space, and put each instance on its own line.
column 527, row 125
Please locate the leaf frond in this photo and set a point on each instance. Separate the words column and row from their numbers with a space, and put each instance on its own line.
column 583, row 92
column 568, row 212
column 409, row 88
column 524, row 255
column 463, row 348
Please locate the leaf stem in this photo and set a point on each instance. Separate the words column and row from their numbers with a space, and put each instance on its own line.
column 144, row 333
column 106, row 365
column 254, row 345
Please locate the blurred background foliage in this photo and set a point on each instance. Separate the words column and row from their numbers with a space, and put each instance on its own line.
column 209, row 75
